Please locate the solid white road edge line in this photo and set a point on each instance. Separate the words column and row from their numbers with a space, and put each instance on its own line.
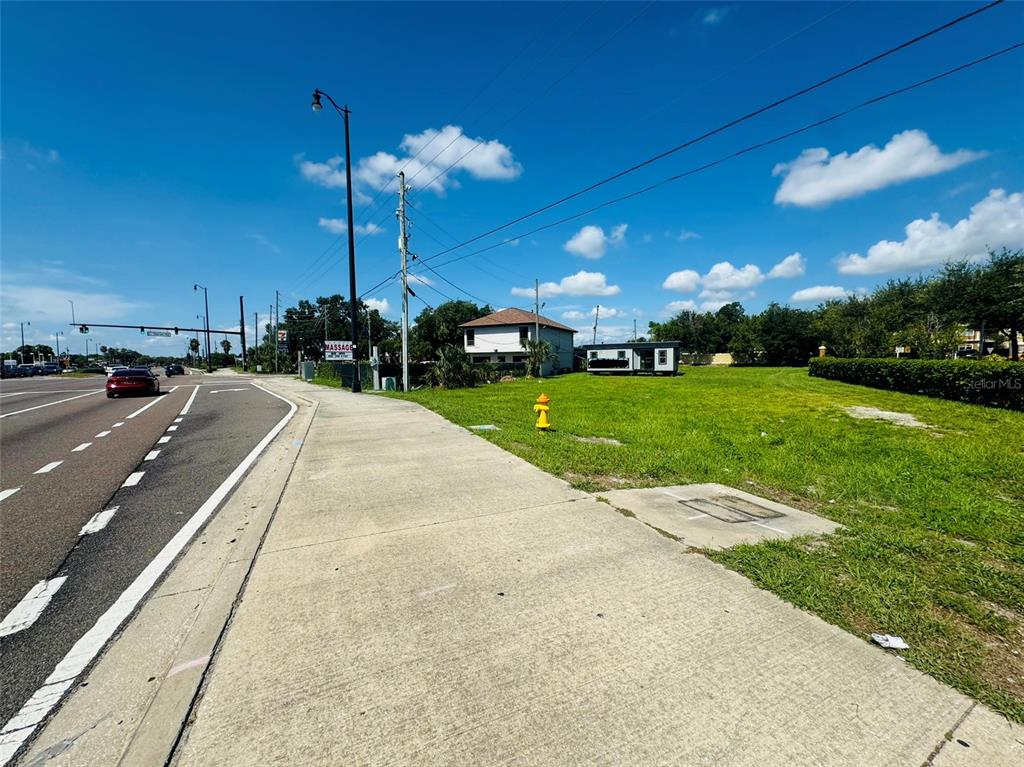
column 99, row 521
column 48, row 467
column 188, row 405
column 4, row 494
column 144, row 408
column 49, row 404
column 151, row 455
column 37, row 708
column 31, row 606
column 133, row 479
column 81, row 447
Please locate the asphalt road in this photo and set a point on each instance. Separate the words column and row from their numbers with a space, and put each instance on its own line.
column 48, row 527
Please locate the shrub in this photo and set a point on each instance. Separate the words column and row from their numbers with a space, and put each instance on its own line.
column 452, row 370
column 984, row 382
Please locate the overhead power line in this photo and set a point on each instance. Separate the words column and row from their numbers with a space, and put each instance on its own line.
column 740, row 152
column 725, row 126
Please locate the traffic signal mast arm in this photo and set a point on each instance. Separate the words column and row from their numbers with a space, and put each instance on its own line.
column 83, row 327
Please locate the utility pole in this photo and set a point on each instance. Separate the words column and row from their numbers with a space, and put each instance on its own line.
column 276, row 321
column 255, row 336
column 403, row 247
column 597, row 315
column 536, row 326
column 57, row 337
column 634, row 331
column 241, row 327
column 23, row 324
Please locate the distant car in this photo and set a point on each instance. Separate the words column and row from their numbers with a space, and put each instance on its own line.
column 967, row 354
column 115, row 370
column 174, row 369
column 132, row 381
column 31, row 369
column 50, row 368
column 14, row 371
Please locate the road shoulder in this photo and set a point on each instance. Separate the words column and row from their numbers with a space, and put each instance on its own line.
column 130, row 706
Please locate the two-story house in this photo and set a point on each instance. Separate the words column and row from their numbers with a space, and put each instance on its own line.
column 499, row 338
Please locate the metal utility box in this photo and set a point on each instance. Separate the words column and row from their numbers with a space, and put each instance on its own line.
column 308, row 370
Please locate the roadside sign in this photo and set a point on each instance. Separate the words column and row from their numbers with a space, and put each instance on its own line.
column 282, row 337
column 160, row 333
column 338, row 350
column 282, row 348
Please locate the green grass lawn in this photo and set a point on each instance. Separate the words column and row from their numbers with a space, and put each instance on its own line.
column 933, row 548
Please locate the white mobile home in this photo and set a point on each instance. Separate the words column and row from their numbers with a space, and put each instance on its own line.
column 631, row 358
column 499, row 338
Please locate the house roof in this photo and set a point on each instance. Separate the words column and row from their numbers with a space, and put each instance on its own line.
column 514, row 317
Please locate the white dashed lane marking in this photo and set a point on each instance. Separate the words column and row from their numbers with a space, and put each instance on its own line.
column 172, row 428
column 103, row 434
column 133, row 479
column 151, row 455
column 179, row 419
column 81, row 447
column 99, row 521
column 30, row 607
column 4, row 494
column 119, row 423
column 48, row 467
column 163, row 440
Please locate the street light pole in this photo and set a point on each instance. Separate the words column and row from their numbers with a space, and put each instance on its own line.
column 206, row 305
column 344, row 112
column 23, row 324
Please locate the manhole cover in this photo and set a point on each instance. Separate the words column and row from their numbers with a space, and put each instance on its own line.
column 728, row 508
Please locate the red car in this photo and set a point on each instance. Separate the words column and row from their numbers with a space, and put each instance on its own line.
column 132, row 381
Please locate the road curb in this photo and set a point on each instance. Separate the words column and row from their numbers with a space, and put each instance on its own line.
column 117, row 715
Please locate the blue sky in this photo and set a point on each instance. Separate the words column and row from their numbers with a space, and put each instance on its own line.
column 148, row 146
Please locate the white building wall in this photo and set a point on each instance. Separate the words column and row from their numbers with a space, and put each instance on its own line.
column 503, row 340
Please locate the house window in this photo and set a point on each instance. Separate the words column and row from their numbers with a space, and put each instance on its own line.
column 501, row 358
column 524, row 333
column 622, row 354
column 662, row 356
column 470, row 337
column 593, row 355
column 517, row 358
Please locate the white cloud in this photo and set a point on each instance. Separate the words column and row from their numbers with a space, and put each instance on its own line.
column 23, row 297
column 449, row 146
column 418, row 279
column 819, row 293
column 380, row 304
column 262, row 240
column 816, row 178
column 725, row 276
column 329, row 174
column 674, row 307
column 685, row 281
column 582, row 283
column 607, row 312
column 713, row 16
column 591, row 241
column 685, row 235
column 995, row 222
column 793, row 265
column 338, row 226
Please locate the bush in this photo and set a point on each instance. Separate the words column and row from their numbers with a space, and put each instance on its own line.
column 452, row 370
column 988, row 382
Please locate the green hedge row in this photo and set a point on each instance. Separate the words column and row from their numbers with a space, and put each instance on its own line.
column 997, row 384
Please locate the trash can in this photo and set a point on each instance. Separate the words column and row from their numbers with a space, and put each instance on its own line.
column 308, row 370
column 389, row 383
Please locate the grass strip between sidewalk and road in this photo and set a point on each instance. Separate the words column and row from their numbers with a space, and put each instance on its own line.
column 933, row 545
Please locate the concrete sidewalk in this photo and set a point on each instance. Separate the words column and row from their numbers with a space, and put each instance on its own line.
column 424, row 597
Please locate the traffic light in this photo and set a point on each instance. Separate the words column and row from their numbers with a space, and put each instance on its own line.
column 83, row 328
column 175, row 331
column 142, row 331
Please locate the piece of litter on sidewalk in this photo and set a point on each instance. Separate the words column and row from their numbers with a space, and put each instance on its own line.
column 890, row 642
column 485, row 427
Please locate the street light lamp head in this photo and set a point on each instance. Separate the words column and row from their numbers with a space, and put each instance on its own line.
column 317, row 106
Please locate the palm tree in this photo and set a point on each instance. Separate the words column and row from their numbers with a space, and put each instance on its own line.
column 537, row 353
column 226, row 346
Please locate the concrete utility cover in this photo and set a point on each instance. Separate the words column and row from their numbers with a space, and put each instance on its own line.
column 715, row 516
column 485, row 427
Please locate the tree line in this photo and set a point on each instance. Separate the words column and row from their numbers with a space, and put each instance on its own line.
column 927, row 314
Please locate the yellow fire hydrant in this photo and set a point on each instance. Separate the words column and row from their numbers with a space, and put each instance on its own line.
column 541, row 409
